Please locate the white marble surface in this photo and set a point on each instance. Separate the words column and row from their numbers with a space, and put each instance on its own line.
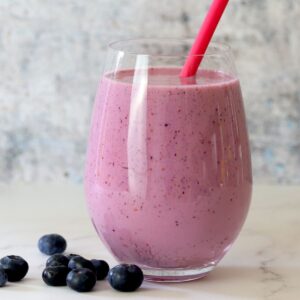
column 264, row 263
column 51, row 53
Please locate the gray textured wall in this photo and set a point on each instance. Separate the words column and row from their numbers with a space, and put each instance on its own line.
column 50, row 60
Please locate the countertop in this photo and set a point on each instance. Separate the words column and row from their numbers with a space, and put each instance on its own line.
column 264, row 262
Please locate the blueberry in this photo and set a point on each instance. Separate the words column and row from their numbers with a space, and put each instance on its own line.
column 101, row 268
column 78, row 262
column 57, row 260
column 52, row 243
column 125, row 278
column 15, row 267
column 55, row 275
column 3, row 277
column 71, row 255
column 81, row 280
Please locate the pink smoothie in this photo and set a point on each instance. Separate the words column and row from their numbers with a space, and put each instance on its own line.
column 168, row 175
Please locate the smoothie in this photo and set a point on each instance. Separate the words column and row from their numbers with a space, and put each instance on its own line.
column 168, row 176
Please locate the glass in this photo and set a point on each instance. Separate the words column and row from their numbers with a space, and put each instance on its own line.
column 168, row 175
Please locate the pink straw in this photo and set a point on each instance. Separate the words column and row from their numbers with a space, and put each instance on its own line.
column 203, row 38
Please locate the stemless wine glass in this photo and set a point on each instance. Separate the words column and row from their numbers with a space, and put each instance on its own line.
column 168, row 176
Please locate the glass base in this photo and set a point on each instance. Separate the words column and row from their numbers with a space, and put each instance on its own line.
column 176, row 275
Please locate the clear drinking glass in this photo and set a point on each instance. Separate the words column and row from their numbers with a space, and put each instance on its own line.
column 168, row 175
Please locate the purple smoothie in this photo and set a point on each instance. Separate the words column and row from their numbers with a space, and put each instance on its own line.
column 168, row 175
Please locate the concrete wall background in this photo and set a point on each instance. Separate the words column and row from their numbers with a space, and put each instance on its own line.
column 51, row 53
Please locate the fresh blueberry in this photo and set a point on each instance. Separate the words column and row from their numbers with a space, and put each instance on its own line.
column 81, row 280
column 57, row 260
column 52, row 243
column 3, row 277
column 125, row 278
column 71, row 255
column 78, row 262
column 15, row 267
column 101, row 268
column 55, row 275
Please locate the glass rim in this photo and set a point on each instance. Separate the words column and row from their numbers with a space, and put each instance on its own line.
column 215, row 49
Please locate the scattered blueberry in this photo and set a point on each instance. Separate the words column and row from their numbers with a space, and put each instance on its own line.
column 55, row 275
column 57, row 260
column 52, row 243
column 71, row 255
column 15, row 267
column 125, row 278
column 78, row 262
column 3, row 277
column 101, row 268
column 81, row 280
